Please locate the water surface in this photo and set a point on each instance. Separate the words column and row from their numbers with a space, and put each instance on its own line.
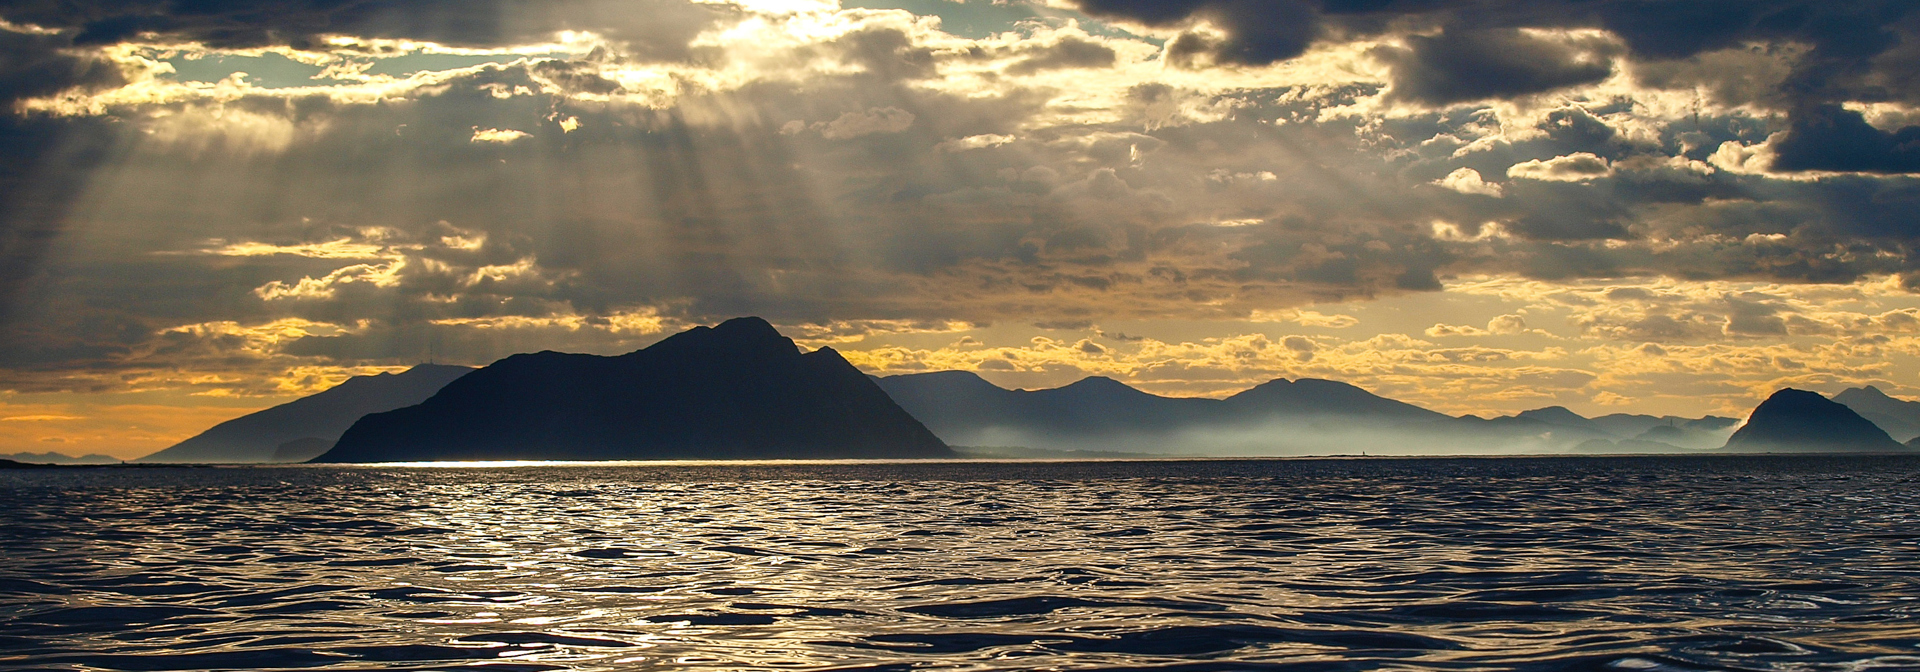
column 1644, row 563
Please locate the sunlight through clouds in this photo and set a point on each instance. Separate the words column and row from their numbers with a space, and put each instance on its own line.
column 1476, row 207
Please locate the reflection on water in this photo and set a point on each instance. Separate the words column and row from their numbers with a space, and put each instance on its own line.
column 1621, row 563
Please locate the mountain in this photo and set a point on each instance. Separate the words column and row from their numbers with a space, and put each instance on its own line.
column 324, row 416
column 737, row 390
column 1703, row 433
column 60, row 458
column 1800, row 421
column 1561, row 416
column 1899, row 417
column 1629, row 424
column 1312, row 396
column 1095, row 413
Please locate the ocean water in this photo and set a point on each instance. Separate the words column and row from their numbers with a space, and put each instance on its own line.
column 1642, row 563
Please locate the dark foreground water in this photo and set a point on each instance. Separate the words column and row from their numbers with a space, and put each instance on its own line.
column 1767, row 563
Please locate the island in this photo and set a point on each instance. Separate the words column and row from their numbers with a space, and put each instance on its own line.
column 738, row 390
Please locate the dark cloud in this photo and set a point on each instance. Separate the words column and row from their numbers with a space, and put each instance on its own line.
column 888, row 53
column 1151, row 12
column 1471, row 50
column 1466, row 65
column 1071, row 52
column 1257, row 31
column 652, row 28
column 37, row 65
column 1832, row 138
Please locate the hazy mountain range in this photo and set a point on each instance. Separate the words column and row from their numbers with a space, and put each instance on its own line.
column 1305, row 416
column 742, row 390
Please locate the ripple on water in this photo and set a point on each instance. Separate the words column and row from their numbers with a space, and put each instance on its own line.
column 1730, row 563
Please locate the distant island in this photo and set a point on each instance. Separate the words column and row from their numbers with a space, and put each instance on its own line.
column 58, row 458
column 738, row 390
column 1279, row 417
column 1800, row 421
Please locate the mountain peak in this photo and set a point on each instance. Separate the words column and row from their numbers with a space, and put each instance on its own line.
column 1560, row 415
column 1866, row 393
column 968, row 379
column 747, row 327
column 1314, row 396
column 1098, row 386
column 746, row 337
column 1899, row 417
column 1098, row 382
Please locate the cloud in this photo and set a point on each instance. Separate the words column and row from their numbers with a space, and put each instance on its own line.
column 1504, row 325
column 339, row 248
column 1069, row 52
column 1576, row 167
column 1305, row 318
column 975, row 142
column 1467, row 181
column 498, row 136
column 856, row 124
column 34, row 63
column 507, row 186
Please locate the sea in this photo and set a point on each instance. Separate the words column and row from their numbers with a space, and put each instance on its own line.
column 1544, row 563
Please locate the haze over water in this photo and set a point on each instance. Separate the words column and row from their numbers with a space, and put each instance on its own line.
column 1683, row 563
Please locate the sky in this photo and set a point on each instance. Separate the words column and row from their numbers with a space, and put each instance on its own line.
column 1479, row 206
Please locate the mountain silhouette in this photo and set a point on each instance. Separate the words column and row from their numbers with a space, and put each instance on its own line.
column 1899, row 417
column 1800, row 421
column 324, row 416
column 737, row 390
